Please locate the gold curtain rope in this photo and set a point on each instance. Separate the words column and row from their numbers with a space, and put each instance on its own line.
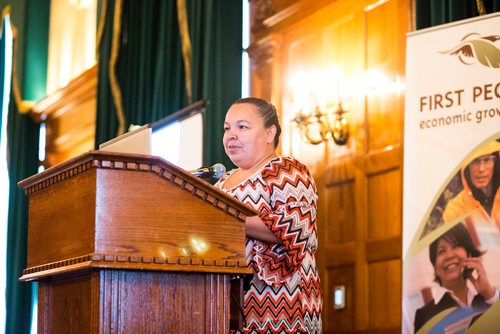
column 480, row 7
column 23, row 107
column 115, row 50
column 100, row 29
column 5, row 12
column 186, row 45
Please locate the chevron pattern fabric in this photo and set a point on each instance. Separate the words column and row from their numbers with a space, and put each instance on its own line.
column 284, row 295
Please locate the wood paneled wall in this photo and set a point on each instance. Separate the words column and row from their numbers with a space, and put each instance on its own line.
column 69, row 115
column 360, row 184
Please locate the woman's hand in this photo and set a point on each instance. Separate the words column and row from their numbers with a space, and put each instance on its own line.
column 256, row 229
column 480, row 279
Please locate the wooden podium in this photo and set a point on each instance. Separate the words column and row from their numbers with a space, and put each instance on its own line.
column 125, row 243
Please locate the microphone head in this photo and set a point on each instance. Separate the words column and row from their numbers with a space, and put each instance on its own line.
column 219, row 170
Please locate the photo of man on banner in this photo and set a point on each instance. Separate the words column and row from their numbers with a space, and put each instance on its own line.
column 480, row 197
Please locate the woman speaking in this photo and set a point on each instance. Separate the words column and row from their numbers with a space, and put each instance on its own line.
column 283, row 296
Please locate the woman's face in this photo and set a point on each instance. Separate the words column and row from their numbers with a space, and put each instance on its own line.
column 246, row 140
column 449, row 262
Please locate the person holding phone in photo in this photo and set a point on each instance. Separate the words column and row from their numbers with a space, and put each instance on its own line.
column 461, row 276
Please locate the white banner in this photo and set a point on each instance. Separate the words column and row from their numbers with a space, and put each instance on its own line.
column 451, row 202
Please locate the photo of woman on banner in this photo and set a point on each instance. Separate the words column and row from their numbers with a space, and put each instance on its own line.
column 464, row 289
column 480, row 196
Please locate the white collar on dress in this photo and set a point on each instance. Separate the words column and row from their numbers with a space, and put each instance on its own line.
column 438, row 293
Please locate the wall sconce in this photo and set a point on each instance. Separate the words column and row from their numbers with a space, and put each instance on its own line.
column 317, row 121
column 318, row 97
column 326, row 125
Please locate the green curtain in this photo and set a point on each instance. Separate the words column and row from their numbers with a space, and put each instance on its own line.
column 31, row 18
column 106, row 120
column 151, row 65
column 149, row 68
column 22, row 161
column 430, row 13
column 215, row 27
column 151, row 72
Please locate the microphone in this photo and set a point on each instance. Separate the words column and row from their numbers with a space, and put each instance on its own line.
column 212, row 172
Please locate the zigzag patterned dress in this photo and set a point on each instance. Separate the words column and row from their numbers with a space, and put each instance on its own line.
column 284, row 294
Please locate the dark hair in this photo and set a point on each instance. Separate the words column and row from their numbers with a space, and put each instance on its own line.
column 459, row 236
column 267, row 112
column 495, row 181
